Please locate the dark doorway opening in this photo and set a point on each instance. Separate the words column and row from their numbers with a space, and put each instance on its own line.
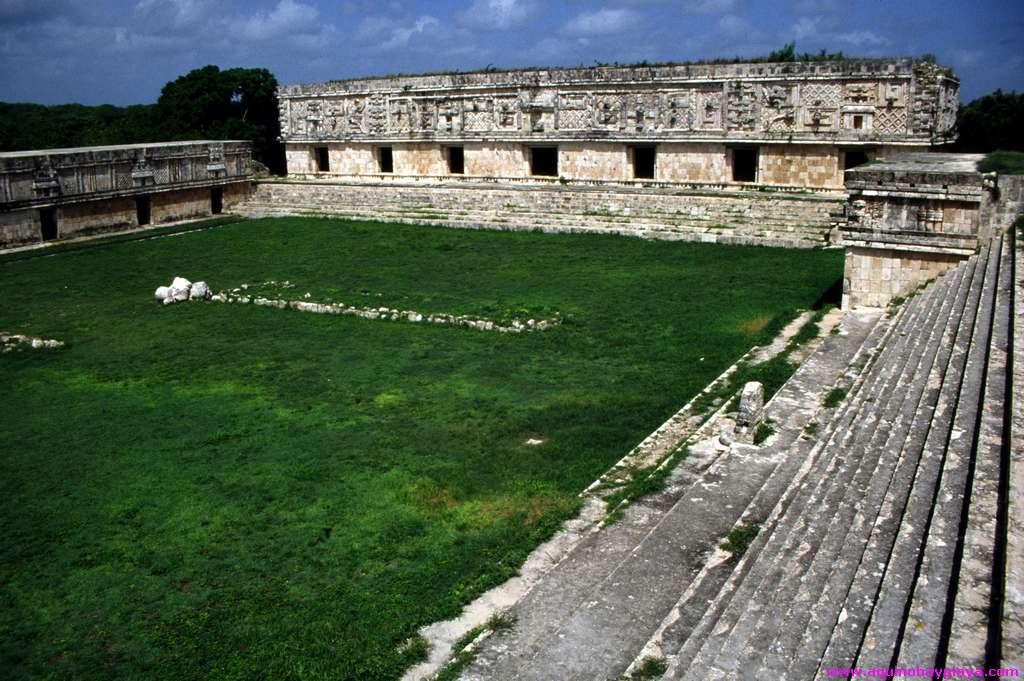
column 142, row 209
column 216, row 200
column 387, row 160
column 544, row 161
column 854, row 157
column 744, row 165
column 48, row 222
column 456, row 161
column 643, row 163
column 323, row 160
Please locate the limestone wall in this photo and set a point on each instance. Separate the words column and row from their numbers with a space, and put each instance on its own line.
column 496, row 159
column 83, row 218
column 692, row 162
column 419, row 159
column 594, row 161
column 90, row 217
column 812, row 166
column 180, row 205
column 807, row 166
column 19, row 227
column 872, row 277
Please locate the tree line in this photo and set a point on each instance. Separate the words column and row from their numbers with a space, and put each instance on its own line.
column 205, row 103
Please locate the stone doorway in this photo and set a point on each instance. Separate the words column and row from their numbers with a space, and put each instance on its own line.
column 48, row 223
column 142, row 210
column 216, row 200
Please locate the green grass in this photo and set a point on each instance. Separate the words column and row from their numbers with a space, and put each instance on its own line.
column 763, row 431
column 1003, row 162
column 649, row 669
column 211, row 491
column 834, row 398
column 739, row 539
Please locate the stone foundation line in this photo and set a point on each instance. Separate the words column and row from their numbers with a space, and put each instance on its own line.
column 391, row 314
column 10, row 341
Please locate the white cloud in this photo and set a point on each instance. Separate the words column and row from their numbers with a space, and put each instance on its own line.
column 288, row 17
column 815, row 6
column 735, row 26
column 173, row 14
column 603, row 22
column 966, row 58
column 389, row 33
column 498, row 14
column 862, row 38
column 806, row 27
column 711, row 6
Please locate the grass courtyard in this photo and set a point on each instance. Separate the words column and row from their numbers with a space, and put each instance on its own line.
column 213, row 491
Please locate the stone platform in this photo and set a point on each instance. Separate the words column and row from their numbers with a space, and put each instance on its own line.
column 706, row 213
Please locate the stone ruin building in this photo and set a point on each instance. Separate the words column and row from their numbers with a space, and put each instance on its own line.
column 796, row 125
column 889, row 529
column 63, row 193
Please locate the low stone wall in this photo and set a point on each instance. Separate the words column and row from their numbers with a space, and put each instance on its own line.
column 23, row 227
column 872, row 277
column 761, row 217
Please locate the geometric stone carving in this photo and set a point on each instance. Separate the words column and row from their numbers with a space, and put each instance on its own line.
column 574, row 112
column 741, row 106
column 609, row 111
column 677, row 110
column 709, row 109
column 479, row 114
column 891, row 121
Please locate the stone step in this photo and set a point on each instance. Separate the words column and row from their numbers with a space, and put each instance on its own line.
column 711, row 622
column 923, row 632
column 886, row 619
column 835, row 634
column 784, row 222
column 788, row 237
column 755, row 591
column 973, row 609
column 832, row 506
column 813, row 220
column 797, row 646
column 678, row 625
column 600, row 636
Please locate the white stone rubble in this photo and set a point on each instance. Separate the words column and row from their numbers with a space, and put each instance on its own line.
column 182, row 289
column 10, row 341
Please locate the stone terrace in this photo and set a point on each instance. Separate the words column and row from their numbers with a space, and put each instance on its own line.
column 886, row 539
column 700, row 213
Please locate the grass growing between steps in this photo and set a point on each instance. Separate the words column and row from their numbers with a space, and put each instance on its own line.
column 739, row 539
column 204, row 491
column 464, row 653
column 649, row 669
column 772, row 373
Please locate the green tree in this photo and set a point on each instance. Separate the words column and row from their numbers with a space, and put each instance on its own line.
column 209, row 103
column 206, row 103
column 992, row 122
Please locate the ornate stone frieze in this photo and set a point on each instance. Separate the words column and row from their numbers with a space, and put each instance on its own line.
column 857, row 100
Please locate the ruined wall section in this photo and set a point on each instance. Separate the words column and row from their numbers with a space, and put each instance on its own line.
column 61, row 193
column 910, row 218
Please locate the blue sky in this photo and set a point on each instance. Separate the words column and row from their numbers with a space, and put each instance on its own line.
column 123, row 51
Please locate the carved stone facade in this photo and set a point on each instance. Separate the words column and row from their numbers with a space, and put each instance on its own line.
column 59, row 193
column 908, row 219
column 874, row 105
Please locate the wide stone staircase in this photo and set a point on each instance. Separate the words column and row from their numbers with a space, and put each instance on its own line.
column 781, row 218
column 881, row 523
